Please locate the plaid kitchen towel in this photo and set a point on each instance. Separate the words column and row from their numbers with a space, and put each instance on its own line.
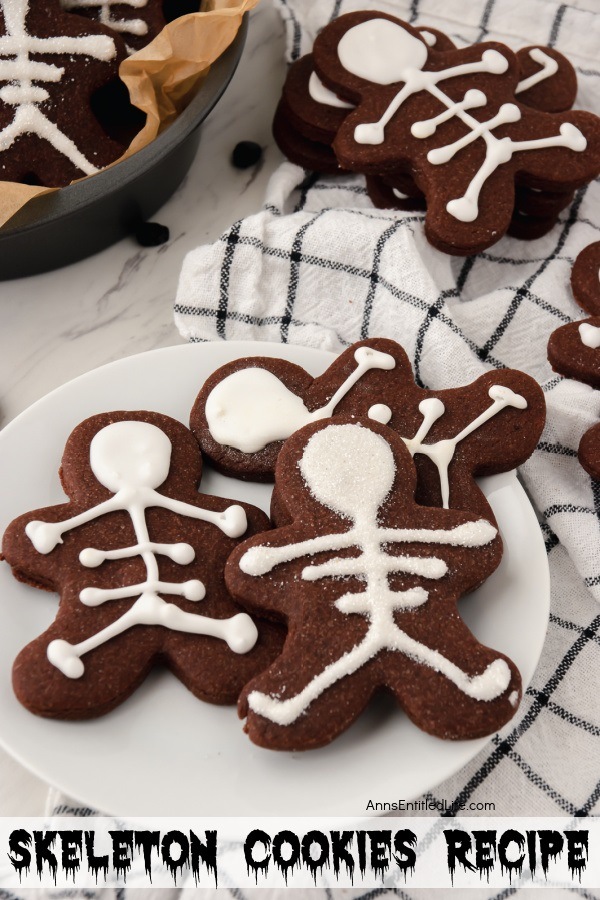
column 319, row 266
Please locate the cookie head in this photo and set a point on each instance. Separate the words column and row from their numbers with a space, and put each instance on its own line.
column 130, row 455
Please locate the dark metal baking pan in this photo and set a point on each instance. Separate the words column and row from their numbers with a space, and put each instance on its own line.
column 76, row 221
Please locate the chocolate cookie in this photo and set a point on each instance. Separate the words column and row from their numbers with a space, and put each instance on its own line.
column 248, row 407
column 383, row 65
column 585, row 279
column 589, row 451
column 574, row 351
column 367, row 582
column 137, row 556
column 51, row 64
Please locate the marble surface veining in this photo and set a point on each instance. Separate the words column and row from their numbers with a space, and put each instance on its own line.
column 60, row 324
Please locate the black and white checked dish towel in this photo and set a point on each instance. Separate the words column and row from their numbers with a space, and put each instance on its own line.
column 319, row 266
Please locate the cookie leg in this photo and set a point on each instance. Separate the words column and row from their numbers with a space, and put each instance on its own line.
column 472, row 694
column 111, row 673
column 307, row 698
column 212, row 671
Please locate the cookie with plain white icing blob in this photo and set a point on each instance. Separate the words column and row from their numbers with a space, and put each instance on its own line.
column 52, row 65
column 137, row 556
column 454, row 119
column 249, row 407
column 574, row 351
column 367, row 582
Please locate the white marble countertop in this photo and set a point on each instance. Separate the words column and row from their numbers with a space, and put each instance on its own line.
column 61, row 324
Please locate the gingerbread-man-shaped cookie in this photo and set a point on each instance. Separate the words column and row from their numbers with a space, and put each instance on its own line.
column 137, row 556
column 367, row 582
column 453, row 118
column 248, row 407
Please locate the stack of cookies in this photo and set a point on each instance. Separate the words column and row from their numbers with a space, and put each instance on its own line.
column 482, row 138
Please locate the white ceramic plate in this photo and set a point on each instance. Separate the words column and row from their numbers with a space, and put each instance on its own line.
column 165, row 753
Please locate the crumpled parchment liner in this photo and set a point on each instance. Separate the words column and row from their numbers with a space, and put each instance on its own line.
column 161, row 78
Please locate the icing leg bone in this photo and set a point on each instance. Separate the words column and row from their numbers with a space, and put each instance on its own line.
column 133, row 459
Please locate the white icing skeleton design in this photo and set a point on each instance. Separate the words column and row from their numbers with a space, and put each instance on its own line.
column 384, row 53
column 24, row 75
column 328, row 466
column 104, row 9
column 132, row 459
column 252, row 408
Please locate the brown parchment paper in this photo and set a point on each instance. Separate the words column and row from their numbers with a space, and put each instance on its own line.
column 161, row 78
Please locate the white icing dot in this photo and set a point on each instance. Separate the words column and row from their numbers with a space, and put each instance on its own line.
column 379, row 412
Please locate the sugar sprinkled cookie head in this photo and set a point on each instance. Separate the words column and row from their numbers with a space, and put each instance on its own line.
column 380, row 610
column 134, row 535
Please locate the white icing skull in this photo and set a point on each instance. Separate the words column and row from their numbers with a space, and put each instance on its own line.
column 349, row 469
column 381, row 51
column 130, row 454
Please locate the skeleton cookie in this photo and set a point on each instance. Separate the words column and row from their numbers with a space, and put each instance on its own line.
column 368, row 583
column 137, row 555
column 454, row 119
column 247, row 408
column 51, row 63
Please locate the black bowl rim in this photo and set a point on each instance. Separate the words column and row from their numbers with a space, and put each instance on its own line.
column 49, row 208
